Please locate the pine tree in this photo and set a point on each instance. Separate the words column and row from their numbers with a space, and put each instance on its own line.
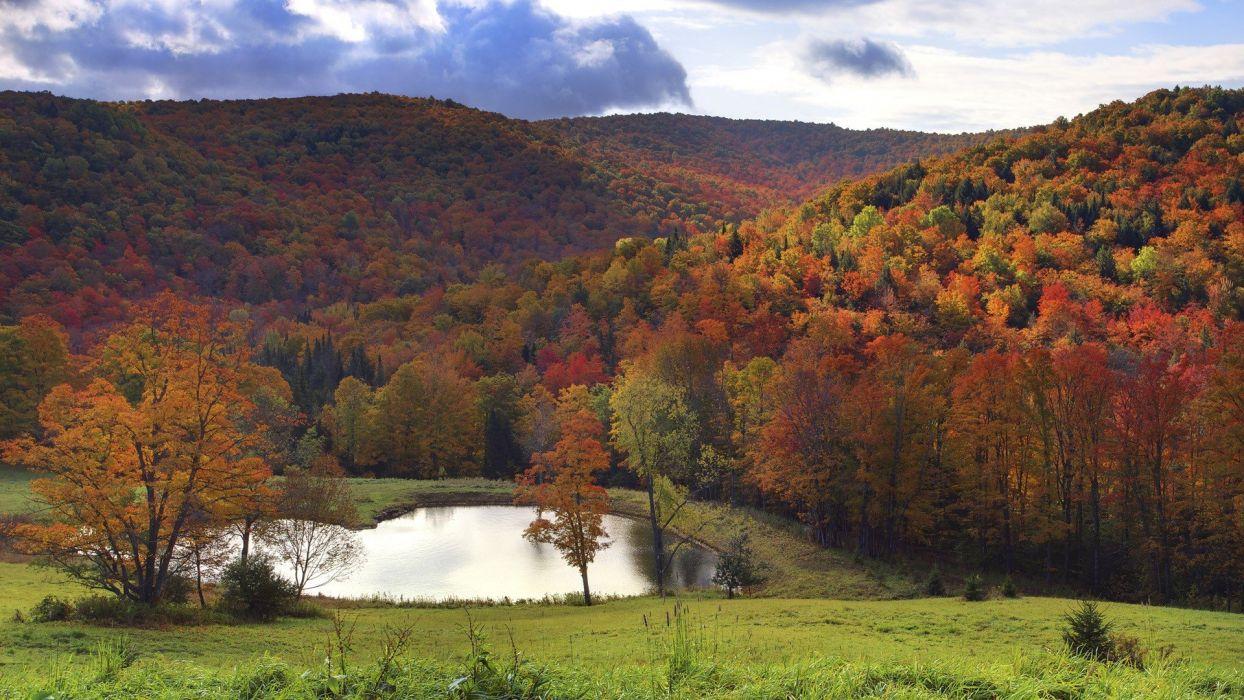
column 934, row 586
column 1087, row 632
column 736, row 244
column 1009, row 590
column 974, row 588
column 736, row 567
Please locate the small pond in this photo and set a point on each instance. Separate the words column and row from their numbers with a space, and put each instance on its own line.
column 479, row 552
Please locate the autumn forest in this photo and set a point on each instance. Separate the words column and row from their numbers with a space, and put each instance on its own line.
column 1017, row 350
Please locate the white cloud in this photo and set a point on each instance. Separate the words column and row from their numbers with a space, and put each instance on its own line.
column 1006, row 22
column 594, row 54
column 358, row 20
column 980, row 22
column 505, row 55
column 51, row 15
column 958, row 91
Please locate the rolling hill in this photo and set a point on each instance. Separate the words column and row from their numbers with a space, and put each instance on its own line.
column 302, row 202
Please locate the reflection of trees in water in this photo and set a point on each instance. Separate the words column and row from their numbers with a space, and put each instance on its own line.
column 692, row 565
column 437, row 516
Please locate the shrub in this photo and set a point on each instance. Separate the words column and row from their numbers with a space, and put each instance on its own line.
column 1126, row 649
column 252, row 590
column 934, row 586
column 51, row 609
column 110, row 610
column 304, row 609
column 100, row 608
column 974, row 588
column 1087, row 632
column 736, row 568
column 1008, row 588
column 178, row 590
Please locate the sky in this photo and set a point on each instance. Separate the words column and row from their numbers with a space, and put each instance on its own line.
column 948, row 65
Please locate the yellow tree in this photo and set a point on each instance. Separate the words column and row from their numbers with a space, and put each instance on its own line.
column 33, row 359
column 656, row 431
column 562, row 484
column 148, row 453
column 424, row 423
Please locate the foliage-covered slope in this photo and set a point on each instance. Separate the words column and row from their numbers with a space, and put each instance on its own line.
column 745, row 165
column 357, row 197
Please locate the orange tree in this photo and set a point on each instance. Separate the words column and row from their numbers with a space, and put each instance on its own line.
column 561, row 483
column 148, row 452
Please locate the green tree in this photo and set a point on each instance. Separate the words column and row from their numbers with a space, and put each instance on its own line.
column 736, row 567
column 33, row 359
column 424, row 423
column 1087, row 632
column 654, row 429
column 499, row 407
column 346, row 419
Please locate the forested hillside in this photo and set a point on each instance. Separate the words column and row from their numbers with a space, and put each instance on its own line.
column 305, row 202
column 741, row 166
column 1027, row 355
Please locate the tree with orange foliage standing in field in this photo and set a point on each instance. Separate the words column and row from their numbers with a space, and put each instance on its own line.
column 562, row 483
column 148, row 452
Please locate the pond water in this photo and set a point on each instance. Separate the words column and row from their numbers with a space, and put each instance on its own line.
column 480, row 552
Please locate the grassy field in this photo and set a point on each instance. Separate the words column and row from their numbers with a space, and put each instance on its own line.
column 633, row 636
column 823, row 626
column 15, row 490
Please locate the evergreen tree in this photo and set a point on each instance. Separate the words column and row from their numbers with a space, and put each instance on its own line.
column 735, row 248
column 934, row 586
column 736, row 567
column 1009, row 590
column 1087, row 632
column 974, row 588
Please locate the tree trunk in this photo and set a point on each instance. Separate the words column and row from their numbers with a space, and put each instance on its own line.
column 198, row 577
column 247, row 524
column 658, row 546
column 587, row 590
column 1096, row 506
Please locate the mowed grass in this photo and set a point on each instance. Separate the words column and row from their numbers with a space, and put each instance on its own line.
column 629, row 633
column 371, row 495
column 374, row 496
column 15, row 495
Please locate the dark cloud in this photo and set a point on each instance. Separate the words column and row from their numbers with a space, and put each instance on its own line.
column 864, row 58
column 514, row 58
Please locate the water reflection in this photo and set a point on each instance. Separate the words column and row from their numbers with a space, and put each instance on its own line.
column 480, row 552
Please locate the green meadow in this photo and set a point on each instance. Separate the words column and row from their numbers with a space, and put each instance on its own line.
column 823, row 625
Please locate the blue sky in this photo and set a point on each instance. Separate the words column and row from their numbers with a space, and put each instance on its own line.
column 952, row 65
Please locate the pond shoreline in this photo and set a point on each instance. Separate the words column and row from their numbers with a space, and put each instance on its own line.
column 617, row 507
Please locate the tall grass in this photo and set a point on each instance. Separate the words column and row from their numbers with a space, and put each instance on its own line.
column 686, row 663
